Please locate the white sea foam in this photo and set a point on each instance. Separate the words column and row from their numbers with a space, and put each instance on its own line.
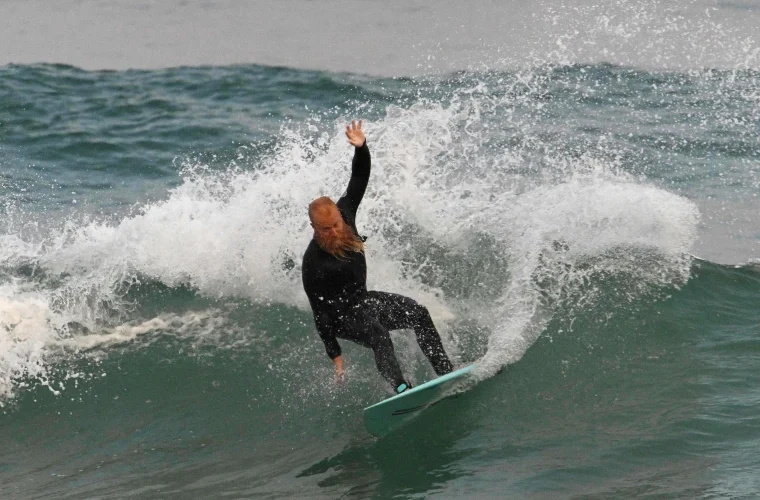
column 27, row 326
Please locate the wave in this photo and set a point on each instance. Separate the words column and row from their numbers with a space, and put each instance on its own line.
column 491, row 202
column 438, row 191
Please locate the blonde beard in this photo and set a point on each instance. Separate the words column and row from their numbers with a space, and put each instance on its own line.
column 346, row 242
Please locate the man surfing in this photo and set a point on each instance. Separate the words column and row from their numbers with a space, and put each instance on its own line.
column 334, row 274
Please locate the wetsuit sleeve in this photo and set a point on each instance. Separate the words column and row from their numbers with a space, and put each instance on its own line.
column 331, row 343
column 360, row 168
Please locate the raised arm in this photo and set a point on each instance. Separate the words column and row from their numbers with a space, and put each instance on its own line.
column 360, row 166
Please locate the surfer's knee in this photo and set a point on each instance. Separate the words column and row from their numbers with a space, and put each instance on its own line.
column 411, row 307
column 419, row 312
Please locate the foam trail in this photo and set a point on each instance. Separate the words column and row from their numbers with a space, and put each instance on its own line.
column 196, row 325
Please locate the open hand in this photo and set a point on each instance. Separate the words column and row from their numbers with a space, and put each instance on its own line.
column 355, row 134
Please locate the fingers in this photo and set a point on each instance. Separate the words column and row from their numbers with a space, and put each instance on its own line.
column 354, row 126
column 354, row 132
column 350, row 129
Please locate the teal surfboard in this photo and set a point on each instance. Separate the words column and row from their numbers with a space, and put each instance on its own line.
column 383, row 417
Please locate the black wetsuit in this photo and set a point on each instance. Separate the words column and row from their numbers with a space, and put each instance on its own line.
column 342, row 306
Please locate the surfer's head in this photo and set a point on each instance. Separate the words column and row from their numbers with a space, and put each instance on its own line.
column 333, row 235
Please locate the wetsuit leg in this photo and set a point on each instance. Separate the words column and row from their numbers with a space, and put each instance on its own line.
column 395, row 312
column 367, row 331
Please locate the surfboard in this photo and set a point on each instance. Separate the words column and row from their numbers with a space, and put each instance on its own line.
column 383, row 417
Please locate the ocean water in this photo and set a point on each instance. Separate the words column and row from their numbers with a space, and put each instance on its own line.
column 571, row 189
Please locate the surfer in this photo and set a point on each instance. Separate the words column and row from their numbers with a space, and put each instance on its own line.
column 334, row 276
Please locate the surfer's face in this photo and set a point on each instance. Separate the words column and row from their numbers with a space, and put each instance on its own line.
column 327, row 223
column 329, row 229
column 331, row 232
